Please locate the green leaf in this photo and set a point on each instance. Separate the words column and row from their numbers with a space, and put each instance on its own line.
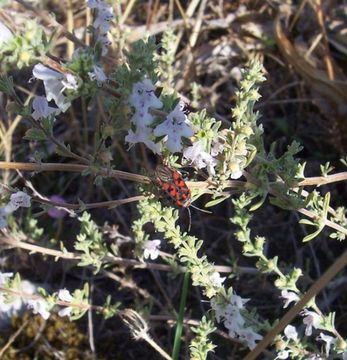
column 6, row 84
column 35, row 134
column 217, row 201
column 307, row 222
column 313, row 235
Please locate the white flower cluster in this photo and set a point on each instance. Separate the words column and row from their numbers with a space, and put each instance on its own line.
column 171, row 131
column 55, row 83
column 311, row 320
column 231, row 315
column 17, row 200
column 102, row 22
column 37, row 305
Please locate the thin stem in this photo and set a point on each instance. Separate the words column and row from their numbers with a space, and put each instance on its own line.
column 179, row 327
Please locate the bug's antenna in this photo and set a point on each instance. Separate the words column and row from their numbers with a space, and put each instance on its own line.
column 202, row 210
column 190, row 218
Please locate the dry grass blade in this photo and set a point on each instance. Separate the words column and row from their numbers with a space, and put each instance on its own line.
column 332, row 92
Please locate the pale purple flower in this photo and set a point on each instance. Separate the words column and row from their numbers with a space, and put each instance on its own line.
column 311, row 320
column 143, row 134
column 53, row 82
column 151, row 249
column 329, row 340
column 103, row 19
column 41, row 108
column 174, row 128
column 3, row 218
column 17, row 200
column 6, row 34
column 105, row 42
column 291, row 333
column 289, row 296
column 39, row 306
column 142, row 98
column 53, row 211
column 98, row 75
column 216, row 279
column 200, row 158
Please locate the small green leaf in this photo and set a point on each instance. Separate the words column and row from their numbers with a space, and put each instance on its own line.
column 35, row 134
column 313, row 235
column 307, row 222
column 217, row 201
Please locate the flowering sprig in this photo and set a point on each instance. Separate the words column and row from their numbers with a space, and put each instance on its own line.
column 17, row 294
column 313, row 318
column 102, row 22
column 202, row 272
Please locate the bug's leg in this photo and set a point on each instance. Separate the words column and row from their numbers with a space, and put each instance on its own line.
column 190, row 218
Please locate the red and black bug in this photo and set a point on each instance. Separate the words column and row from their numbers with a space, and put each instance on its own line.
column 170, row 181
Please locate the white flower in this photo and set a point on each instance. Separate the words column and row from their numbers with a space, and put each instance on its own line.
column 232, row 318
column 69, row 82
column 143, row 134
column 200, row 158
column 39, row 306
column 329, row 340
column 3, row 218
column 41, row 108
column 216, row 279
column 151, row 249
column 250, row 337
column 4, row 277
column 283, row 354
column 311, row 320
column 289, row 296
column 6, row 34
column 64, row 295
column 97, row 74
column 174, row 128
column 291, row 333
column 54, row 86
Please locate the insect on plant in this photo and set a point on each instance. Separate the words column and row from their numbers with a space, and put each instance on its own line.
column 171, row 183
